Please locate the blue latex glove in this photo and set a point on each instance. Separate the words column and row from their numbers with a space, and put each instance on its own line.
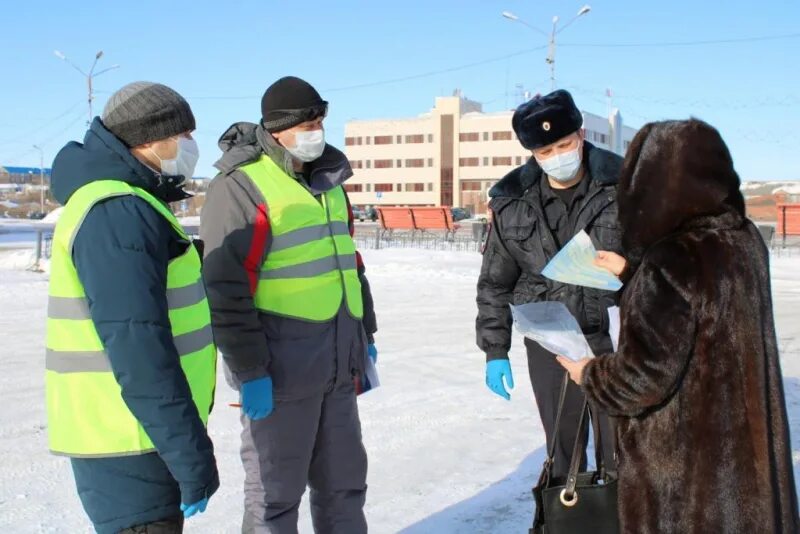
column 197, row 508
column 372, row 352
column 496, row 371
column 257, row 398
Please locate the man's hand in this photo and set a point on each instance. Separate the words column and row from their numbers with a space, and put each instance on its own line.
column 257, row 398
column 496, row 371
column 575, row 369
column 610, row 261
column 197, row 508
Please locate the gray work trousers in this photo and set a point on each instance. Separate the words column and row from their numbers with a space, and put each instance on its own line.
column 314, row 441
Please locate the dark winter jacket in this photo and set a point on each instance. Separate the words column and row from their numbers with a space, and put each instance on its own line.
column 121, row 254
column 696, row 384
column 521, row 244
column 301, row 357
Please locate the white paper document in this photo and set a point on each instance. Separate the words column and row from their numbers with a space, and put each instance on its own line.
column 574, row 264
column 613, row 326
column 552, row 326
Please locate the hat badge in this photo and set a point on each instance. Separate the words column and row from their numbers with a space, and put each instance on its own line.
column 546, row 126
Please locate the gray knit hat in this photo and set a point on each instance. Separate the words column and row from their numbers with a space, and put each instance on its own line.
column 143, row 112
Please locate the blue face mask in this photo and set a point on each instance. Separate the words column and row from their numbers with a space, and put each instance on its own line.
column 562, row 167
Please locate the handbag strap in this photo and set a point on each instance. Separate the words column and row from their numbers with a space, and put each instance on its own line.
column 577, row 454
column 599, row 457
column 551, row 451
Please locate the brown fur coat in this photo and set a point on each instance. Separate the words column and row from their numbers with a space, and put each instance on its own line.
column 696, row 384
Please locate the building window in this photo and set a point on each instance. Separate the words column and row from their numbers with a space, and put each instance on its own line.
column 470, row 186
column 356, row 164
column 501, row 136
column 415, row 188
column 469, row 137
column 430, row 138
column 419, row 138
column 384, row 164
column 519, row 160
column 604, row 139
column 430, row 187
column 359, row 140
column 485, row 136
column 498, row 162
column 369, row 188
column 399, row 187
column 349, row 141
column 399, row 163
column 430, row 162
column 369, row 163
column 369, row 140
column 353, row 188
column 469, row 162
column 399, row 139
column 384, row 188
column 383, row 139
column 485, row 162
column 415, row 163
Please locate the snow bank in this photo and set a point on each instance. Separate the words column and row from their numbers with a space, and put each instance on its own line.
column 446, row 456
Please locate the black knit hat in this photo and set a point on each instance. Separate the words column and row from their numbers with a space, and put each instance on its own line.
column 289, row 102
column 545, row 119
column 143, row 112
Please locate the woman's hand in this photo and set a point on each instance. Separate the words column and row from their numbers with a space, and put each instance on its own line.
column 575, row 369
column 610, row 261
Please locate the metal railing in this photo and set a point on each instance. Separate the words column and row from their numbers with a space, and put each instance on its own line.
column 379, row 239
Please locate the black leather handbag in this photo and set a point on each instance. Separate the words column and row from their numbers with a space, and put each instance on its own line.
column 579, row 502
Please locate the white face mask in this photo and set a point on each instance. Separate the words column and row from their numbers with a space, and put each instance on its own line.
column 308, row 146
column 185, row 159
column 562, row 167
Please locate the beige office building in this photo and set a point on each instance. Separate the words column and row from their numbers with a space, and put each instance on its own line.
column 449, row 156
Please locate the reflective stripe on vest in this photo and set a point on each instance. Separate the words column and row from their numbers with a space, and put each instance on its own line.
column 87, row 416
column 311, row 263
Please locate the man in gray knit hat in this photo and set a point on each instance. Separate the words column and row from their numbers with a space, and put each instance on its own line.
column 130, row 355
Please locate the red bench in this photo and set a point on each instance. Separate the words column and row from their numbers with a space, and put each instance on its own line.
column 434, row 219
column 417, row 220
column 788, row 220
column 392, row 219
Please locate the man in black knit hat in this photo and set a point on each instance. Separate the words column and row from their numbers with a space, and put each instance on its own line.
column 568, row 186
column 292, row 312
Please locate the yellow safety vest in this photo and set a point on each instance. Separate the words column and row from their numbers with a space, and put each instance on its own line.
column 86, row 414
column 311, row 264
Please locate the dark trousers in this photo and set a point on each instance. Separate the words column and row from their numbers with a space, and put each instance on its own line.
column 314, row 441
column 547, row 375
column 173, row 525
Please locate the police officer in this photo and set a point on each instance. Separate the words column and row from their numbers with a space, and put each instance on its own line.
column 568, row 185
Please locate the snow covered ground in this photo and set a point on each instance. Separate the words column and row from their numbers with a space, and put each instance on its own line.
column 446, row 456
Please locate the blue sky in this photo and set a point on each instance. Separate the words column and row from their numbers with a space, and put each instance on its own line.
column 222, row 55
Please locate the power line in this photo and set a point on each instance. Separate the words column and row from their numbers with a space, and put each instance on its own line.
column 687, row 43
column 63, row 130
column 436, row 72
column 23, row 136
column 76, row 118
column 392, row 80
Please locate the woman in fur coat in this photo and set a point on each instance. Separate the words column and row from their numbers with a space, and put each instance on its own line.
column 696, row 386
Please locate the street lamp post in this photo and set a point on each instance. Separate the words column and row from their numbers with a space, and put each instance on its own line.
column 90, row 76
column 41, row 178
column 551, row 49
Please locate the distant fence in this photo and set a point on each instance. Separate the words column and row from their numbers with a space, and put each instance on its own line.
column 429, row 241
column 376, row 238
